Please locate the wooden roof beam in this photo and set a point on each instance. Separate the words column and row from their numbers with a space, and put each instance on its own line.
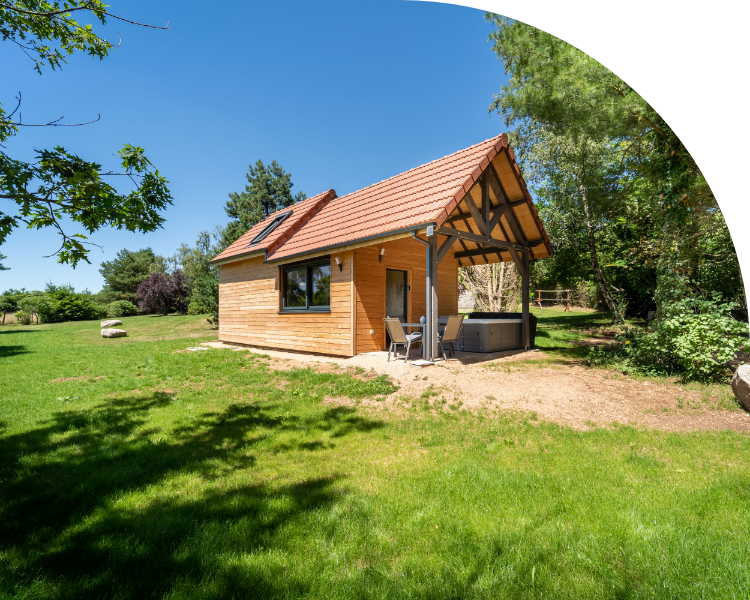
column 483, row 251
column 497, row 187
column 481, row 239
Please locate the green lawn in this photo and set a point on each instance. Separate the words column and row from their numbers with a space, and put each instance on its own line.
column 130, row 468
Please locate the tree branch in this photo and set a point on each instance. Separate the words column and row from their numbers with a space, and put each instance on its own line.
column 55, row 123
column 53, row 13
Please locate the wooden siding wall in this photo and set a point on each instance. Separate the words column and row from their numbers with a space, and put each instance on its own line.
column 249, row 297
column 406, row 255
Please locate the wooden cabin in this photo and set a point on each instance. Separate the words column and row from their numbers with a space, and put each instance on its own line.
column 320, row 275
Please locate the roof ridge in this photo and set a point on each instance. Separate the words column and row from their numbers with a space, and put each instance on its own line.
column 297, row 223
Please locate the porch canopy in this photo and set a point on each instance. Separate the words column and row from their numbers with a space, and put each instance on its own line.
column 473, row 202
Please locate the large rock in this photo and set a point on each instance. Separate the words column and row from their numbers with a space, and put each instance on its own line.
column 111, row 323
column 741, row 386
column 109, row 333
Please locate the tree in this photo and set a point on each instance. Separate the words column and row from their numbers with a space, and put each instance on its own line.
column 163, row 292
column 596, row 152
column 267, row 184
column 2, row 266
column 203, row 278
column 125, row 272
column 60, row 184
column 495, row 287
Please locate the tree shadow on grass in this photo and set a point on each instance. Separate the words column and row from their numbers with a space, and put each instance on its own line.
column 69, row 520
column 8, row 351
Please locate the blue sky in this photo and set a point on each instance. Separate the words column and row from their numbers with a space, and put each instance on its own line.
column 342, row 94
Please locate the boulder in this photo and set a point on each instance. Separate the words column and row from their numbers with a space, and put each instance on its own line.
column 110, row 333
column 741, row 386
column 111, row 323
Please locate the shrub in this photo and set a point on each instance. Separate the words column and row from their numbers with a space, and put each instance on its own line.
column 698, row 340
column 121, row 308
column 162, row 292
column 196, row 308
column 41, row 306
column 107, row 296
column 23, row 317
column 206, row 293
column 75, row 307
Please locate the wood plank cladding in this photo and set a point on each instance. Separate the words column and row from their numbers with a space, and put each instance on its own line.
column 249, row 295
column 369, row 284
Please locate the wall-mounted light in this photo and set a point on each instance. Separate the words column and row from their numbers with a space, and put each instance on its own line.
column 338, row 262
column 380, row 258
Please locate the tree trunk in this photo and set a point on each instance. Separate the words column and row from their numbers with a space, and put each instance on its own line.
column 502, row 282
column 490, row 290
column 744, row 293
column 603, row 286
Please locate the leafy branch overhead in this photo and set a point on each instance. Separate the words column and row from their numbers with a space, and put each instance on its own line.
column 60, row 186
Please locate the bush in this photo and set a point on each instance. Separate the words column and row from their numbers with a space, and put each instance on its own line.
column 107, row 296
column 206, row 293
column 121, row 308
column 75, row 307
column 23, row 317
column 698, row 341
column 196, row 308
column 162, row 293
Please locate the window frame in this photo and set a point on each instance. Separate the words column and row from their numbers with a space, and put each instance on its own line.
column 308, row 265
column 270, row 228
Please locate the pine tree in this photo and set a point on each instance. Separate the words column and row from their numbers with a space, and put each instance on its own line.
column 266, row 183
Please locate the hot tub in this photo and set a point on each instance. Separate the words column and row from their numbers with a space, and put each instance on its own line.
column 488, row 332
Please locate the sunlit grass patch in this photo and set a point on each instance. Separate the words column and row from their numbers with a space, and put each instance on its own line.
column 146, row 472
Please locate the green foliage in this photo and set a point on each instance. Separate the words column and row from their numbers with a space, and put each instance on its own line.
column 206, row 296
column 203, row 278
column 121, row 308
column 622, row 199
column 125, row 272
column 56, row 303
column 23, row 317
column 60, row 186
column 107, row 295
column 697, row 340
column 8, row 303
column 2, row 266
column 266, row 183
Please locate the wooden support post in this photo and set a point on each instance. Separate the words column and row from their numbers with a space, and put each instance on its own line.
column 567, row 305
column 525, row 332
column 539, row 302
column 430, row 331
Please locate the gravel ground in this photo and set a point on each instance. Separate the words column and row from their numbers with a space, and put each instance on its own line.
column 568, row 394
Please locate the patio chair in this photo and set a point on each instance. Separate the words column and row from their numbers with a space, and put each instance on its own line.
column 399, row 338
column 450, row 334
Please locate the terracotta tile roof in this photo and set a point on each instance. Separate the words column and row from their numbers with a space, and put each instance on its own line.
column 301, row 213
column 425, row 194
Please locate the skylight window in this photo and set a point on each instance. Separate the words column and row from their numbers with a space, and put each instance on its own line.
column 277, row 220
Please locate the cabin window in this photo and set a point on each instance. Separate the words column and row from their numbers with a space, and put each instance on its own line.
column 307, row 287
column 275, row 222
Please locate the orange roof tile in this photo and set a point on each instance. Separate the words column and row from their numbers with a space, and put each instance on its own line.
column 301, row 213
column 423, row 195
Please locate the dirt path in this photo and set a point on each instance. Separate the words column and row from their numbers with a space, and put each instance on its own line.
column 568, row 394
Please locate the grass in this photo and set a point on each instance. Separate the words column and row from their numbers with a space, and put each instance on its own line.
column 130, row 468
column 559, row 333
